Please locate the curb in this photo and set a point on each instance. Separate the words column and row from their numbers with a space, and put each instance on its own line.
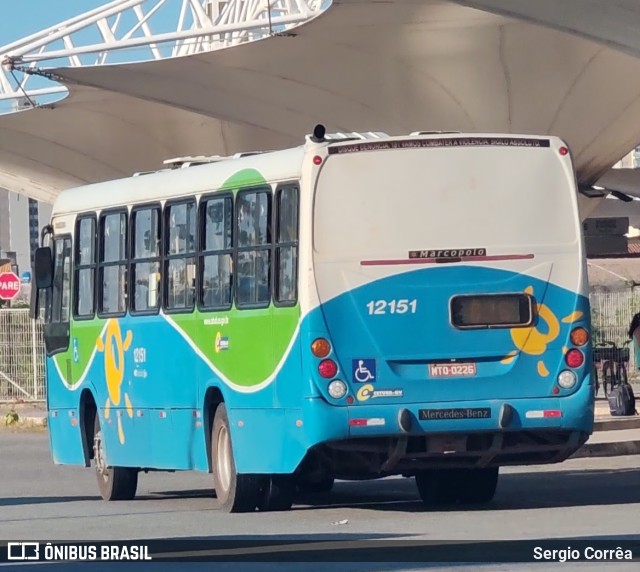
column 617, row 424
column 616, row 449
column 26, row 422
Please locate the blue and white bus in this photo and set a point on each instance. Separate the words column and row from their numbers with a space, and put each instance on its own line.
column 353, row 308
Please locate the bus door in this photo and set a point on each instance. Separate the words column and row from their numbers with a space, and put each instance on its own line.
column 57, row 324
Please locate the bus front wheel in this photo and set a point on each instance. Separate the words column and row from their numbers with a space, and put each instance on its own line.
column 236, row 493
column 114, row 483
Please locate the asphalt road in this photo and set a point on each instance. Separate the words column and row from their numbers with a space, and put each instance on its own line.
column 579, row 499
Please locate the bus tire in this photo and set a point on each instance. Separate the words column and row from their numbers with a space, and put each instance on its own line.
column 114, row 483
column 436, row 487
column 322, row 486
column 477, row 485
column 235, row 493
column 277, row 493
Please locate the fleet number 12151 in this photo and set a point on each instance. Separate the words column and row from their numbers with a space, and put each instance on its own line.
column 392, row 306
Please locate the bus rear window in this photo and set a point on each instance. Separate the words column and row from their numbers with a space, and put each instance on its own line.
column 492, row 311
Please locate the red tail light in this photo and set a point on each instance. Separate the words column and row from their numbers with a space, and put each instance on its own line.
column 574, row 358
column 328, row 368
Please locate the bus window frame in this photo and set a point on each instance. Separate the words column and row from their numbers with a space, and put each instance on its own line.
column 275, row 211
column 133, row 261
column 202, row 253
column 166, row 257
column 93, row 266
column 268, row 190
column 122, row 262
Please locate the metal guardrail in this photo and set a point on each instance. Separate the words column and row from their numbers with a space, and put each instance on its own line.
column 22, row 357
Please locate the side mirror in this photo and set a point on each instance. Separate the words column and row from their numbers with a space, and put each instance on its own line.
column 43, row 268
column 42, row 278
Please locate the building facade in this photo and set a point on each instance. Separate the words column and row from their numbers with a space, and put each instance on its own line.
column 21, row 219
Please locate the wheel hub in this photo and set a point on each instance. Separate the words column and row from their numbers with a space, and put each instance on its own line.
column 99, row 456
column 224, row 458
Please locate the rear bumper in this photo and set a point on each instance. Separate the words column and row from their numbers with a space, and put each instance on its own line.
column 380, row 442
column 571, row 413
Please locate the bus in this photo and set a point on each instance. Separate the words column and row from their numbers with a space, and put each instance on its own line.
column 358, row 307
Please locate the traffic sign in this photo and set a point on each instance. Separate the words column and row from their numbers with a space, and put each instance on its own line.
column 9, row 285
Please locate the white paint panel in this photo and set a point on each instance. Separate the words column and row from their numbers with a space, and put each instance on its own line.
column 376, row 206
column 382, row 204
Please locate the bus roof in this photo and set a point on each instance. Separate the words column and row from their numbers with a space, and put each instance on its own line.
column 174, row 183
column 202, row 174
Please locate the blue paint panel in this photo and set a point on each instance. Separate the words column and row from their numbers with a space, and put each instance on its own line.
column 404, row 344
column 294, row 413
column 258, row 438
column 167, row 443
column 65, row 439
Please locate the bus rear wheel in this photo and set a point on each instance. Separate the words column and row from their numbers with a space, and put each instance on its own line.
column 316, row 487
column 448, row 486
column 477, row 485
column 114, row 483
column 236, row 493
column 436, row 487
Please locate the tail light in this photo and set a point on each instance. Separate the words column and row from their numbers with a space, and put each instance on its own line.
column 574, row 358
column 579, row 337
column 328, row 368
column 320, row 348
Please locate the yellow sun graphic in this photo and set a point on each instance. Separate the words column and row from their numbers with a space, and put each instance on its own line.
column 114, row 347
column 532, row 341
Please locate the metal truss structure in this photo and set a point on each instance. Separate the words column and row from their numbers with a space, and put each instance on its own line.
column 125, row 31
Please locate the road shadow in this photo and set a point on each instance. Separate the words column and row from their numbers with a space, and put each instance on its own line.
column 18, row 501
column 516, row 491
column 561, row 489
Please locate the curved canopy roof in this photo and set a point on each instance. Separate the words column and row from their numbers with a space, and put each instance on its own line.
column 394, row 66
column 97, row 136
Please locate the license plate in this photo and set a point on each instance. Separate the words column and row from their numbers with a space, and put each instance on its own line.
column 452, row 369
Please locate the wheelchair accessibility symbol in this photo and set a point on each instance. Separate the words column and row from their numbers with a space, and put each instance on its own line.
column 363, row 370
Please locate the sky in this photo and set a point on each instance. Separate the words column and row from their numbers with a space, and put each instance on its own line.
column 20, row 18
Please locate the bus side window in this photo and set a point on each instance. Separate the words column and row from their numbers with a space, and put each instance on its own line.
column 180, row 255
column 61, row 293
column 145, row 260
column 286, row 246
column 85, row 265
column 216, row 252
column 112, row 264
column 252, row 272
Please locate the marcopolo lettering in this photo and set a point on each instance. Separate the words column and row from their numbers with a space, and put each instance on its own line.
column 448, row 253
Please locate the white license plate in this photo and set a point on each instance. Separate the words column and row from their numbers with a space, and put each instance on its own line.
column 452, row 369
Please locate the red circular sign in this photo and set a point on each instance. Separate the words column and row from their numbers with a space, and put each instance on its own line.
column 9, row 285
